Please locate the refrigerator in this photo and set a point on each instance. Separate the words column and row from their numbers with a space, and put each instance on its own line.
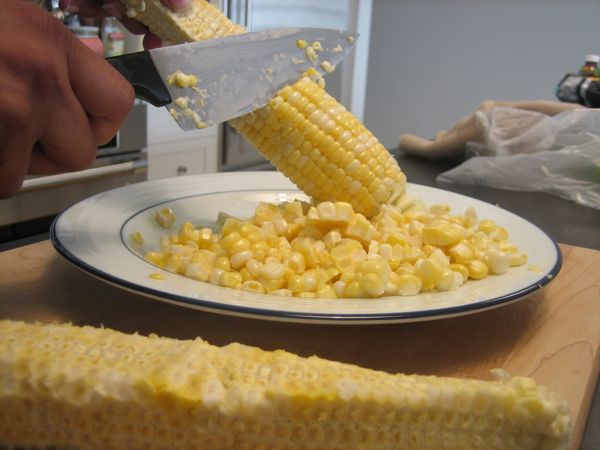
column 347, row 83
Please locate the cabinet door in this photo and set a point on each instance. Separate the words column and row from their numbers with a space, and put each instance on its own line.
column 186, row 158
column 174, row 152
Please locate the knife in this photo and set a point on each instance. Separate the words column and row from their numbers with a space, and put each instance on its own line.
column 208, row 82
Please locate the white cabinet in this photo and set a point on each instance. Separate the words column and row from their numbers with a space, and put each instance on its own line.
column 174, row 152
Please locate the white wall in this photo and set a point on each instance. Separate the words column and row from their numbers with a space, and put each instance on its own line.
column 432, row 62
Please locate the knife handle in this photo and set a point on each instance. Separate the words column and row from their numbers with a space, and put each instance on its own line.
column 140, row 71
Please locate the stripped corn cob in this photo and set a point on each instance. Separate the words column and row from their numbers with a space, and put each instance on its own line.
column 88, row 388
column 304, row 132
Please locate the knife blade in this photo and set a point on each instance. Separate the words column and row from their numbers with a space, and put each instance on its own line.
column 208, row 82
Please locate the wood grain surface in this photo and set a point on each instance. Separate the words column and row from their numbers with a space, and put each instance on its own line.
column 552, row 336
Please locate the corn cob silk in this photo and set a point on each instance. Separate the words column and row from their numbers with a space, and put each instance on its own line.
column 63, row 386
column 304, row 132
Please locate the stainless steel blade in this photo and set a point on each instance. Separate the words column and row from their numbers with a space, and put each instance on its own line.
column 238, row 74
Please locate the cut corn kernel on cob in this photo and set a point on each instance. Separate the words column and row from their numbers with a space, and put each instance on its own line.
column 304, row 132
column 63, row 386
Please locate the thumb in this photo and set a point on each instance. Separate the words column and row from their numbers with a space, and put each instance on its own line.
column 93, row 43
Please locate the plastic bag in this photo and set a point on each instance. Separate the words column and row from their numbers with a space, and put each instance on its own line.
column 530, row 151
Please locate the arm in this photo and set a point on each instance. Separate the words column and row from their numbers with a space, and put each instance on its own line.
column 452, row 143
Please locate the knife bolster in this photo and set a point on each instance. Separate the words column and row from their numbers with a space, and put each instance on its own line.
column 140, row 71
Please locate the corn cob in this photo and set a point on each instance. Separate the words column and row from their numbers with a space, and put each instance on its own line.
column 304, row 132
column 93, row 388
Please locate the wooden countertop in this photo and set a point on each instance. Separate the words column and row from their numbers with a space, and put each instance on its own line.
column 553, row 336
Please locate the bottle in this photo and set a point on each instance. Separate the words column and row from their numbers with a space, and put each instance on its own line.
column 113, row 38
column 590, row 68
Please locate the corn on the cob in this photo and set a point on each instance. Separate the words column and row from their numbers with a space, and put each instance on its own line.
column 63, row 386
column 304, row 132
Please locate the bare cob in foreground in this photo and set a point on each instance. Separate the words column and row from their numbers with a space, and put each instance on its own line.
column 89, row 388
column 304, row 132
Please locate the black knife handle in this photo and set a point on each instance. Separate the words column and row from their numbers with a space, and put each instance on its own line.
column 140, row 71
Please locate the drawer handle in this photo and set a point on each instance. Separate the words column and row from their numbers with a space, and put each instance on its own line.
column 61, row 179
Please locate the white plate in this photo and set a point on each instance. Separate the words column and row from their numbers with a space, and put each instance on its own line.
column 95, row 236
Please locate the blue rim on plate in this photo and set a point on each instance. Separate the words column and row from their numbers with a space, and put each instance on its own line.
column 253, row 309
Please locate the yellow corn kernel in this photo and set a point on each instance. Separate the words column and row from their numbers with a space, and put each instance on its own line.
column 223, row 263
column 165, row 217
column 246, row 275
column 371, row 285
column 253, row 286
column 239, row 245
column 273, row 270
column 215, row 276
column 254, row 267
column 182, row 80
column 155, row 258
column 229, row 224
column 239, row 259
column 137, row 238
column 295, row 283
column 353, row 290
column 462, row 269
column 231, row 280
column 157, row 276
column 326, row 291
column 330, row 214
column 461, row 253
column 470, row 218
column 449, row 280
column 487, row 226
column 429, row 271
column 282, row 292
column 477, row 269
column 260, row 250
column 272, row 285
column 360, row 228
column 441, row 210
column 443, row 234
column 497, row 261
column 198, row 271
column 499, row 234
column 306, row 294
column 517, row 259
column 408, row 284
column 296, row 262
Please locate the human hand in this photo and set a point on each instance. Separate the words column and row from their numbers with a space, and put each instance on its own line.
column 60, row 100
column 116, row 8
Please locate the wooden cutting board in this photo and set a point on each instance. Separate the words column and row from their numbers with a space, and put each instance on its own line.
column 552, row 336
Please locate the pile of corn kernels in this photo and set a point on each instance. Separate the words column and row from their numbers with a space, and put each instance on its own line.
column 329, row 251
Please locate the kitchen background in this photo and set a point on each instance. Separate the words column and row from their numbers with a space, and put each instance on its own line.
column 419, row 66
